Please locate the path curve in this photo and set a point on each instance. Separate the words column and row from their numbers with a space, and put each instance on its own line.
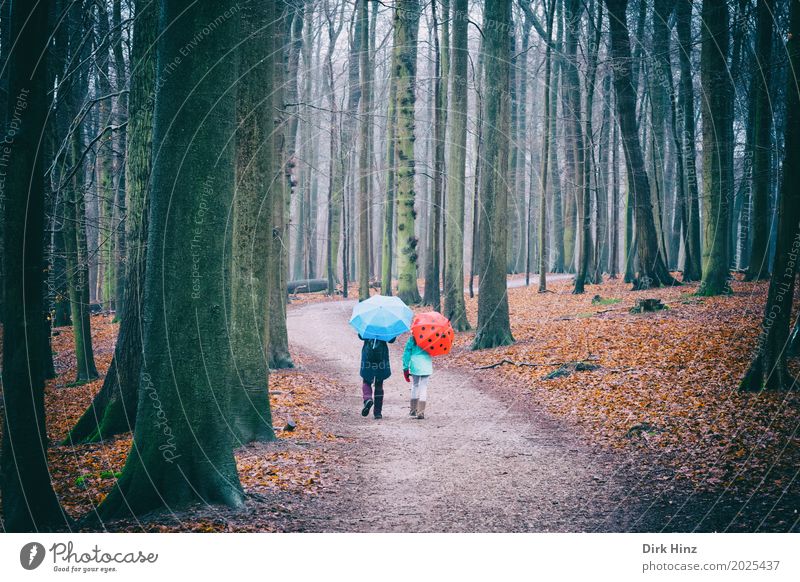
column 475, row 463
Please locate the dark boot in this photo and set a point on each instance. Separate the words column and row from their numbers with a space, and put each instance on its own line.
column 421, row 410
column 367, row 406
column 414, row 402
column 378, row 398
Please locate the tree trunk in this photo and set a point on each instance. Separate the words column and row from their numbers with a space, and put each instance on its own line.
column 387, row 255
column 75, row 244
column 440, row 104
column 336, row 170
column 613, row 267
column 105, row 152
column 571, row 187
column 182, row 451
column 586, row 272
column 494, row 328
column 556, row 238
column 717, row 111
column 768, row 368
column 653, row 270
column 761, row 178
column 365, row 154
column 691, row 221
column 454, row 308
column 29, row 502
column 658, row 78
column 601, row 242
column 120, row 146
column 113, row 409
column 250, row 416
column 546, row 145
column 284, row 134
column 406, row 22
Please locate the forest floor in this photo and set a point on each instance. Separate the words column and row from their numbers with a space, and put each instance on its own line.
column 654, row 438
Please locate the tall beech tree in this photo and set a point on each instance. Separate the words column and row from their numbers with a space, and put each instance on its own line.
column 113, row 409
column 288, row 16
column 494, row 328
column 250, row 415
column 454, row 307
column 691, row 219
column 717, row 111
column 387, row 241
column 761, row 178
column 437, row 251
column 768, row 368
column 29, row 502
column 546, row 147
column 364, row 152
column 182, row 447
column 74, row 192
column 653, row 269
column 406, row 24
column 335, row 166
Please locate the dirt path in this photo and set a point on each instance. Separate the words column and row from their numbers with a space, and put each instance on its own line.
column 474, row 464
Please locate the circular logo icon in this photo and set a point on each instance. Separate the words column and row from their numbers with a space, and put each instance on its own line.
column 31, row 555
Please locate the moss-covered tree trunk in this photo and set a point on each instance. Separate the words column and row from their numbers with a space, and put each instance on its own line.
column 768, row 368
column 113, row 409
column 494, row 328
column 762, row 147
column 454, row 308
column 29, row 502
column 182, row 451
column 717, row 112
column 653, row 269
column 406, row 23
column 387, row 243
column 250, row 415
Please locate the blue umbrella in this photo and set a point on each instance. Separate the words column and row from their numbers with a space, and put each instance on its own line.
column 381, row 317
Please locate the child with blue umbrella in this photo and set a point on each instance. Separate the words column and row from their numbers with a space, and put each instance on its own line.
column 378, row 321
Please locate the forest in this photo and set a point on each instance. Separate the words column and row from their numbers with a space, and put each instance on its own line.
column 601, row 196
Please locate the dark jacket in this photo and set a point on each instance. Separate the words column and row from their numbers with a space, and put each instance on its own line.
column 375, row 360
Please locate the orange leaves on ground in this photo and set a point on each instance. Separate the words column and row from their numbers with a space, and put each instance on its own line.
column 295, row 466
column 667, row 382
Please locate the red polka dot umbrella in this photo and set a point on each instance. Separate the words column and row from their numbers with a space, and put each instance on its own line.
column 432, row 332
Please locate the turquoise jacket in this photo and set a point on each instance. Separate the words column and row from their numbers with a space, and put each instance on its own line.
column 416, row 360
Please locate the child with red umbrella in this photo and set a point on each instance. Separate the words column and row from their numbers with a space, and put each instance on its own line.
column 431, row 335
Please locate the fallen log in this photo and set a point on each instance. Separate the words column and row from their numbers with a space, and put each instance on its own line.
column 307, row 286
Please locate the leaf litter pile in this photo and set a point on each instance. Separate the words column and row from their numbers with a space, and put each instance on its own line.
column 662, row 386
column 277, row 477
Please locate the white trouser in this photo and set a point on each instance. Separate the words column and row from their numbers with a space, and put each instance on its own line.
column 419, row 388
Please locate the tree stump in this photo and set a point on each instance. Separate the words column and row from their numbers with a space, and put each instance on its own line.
column 647, row 305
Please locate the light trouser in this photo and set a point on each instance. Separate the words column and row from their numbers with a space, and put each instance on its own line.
column 419, row 388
